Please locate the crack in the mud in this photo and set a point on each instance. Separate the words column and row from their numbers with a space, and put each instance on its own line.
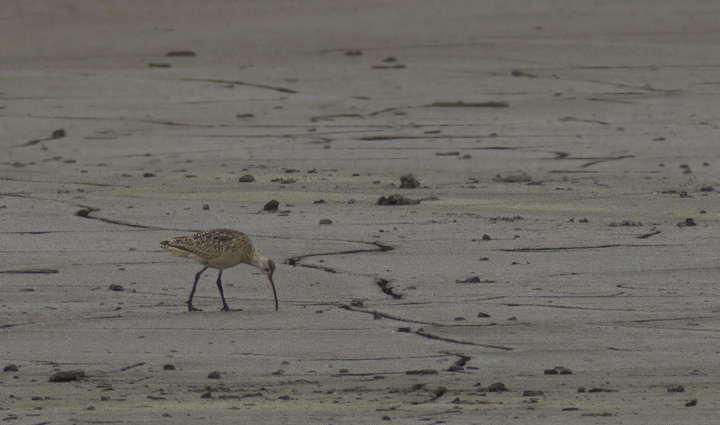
column 13, row 325
column 389, row 316
column 565, row 248
column 132, row 366
column 323, row 268
column 601, row 160
column 669, row 319
column 381, row 315
column 460, row 363
column 382, row 283
column 569, row 307
column 239, row 83
column 30, row 271
column 616, row 294
column 423, row 333
column 295, row 261
column 86, row 211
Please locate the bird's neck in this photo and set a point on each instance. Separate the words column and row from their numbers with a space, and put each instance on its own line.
column 259, row 262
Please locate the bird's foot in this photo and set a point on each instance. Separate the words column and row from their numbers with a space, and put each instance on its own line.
column 227, row 308
column 191, row 307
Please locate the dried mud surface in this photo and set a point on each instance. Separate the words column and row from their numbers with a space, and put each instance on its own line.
column 549, row 254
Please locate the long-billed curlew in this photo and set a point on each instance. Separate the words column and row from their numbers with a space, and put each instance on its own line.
column 219, row 249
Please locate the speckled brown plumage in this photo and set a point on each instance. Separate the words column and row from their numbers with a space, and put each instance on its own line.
column 219, row 249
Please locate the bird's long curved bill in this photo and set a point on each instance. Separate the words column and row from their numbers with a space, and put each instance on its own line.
column 274, row 293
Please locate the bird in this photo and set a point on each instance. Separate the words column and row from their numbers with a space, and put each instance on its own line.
column 219, row 249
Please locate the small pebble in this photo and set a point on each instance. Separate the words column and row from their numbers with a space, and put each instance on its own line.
column 497, row 387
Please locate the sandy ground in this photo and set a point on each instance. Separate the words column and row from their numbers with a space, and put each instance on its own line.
column 567, row 153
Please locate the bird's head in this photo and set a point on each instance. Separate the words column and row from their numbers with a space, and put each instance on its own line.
column 268, row 267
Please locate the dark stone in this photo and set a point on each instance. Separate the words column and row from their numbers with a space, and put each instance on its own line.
column 514, row 178
column 558, row 370
column 271, row 206
column 497, row 387
column 600, row 390
column 85, row 212
column 67, row 376
column 689, row 222
column 409, row 182
column 396, row 200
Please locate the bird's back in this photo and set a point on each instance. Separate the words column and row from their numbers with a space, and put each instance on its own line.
column 217, row 248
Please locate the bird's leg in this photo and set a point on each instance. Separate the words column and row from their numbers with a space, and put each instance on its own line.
column 189, row 301
column 219, row 284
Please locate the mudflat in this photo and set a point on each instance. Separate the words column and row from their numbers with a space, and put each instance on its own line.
column 485, row 212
